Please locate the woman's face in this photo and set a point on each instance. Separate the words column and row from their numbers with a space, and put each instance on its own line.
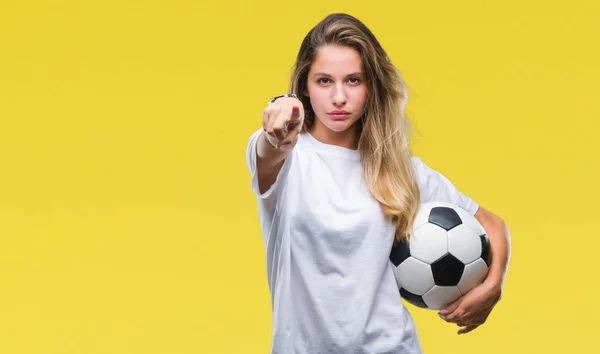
column 336, row 88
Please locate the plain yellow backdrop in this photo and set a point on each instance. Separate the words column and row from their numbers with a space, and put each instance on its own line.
column 127, row 223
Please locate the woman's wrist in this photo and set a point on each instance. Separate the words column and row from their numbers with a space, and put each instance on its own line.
column 495, row 282
column 269, row 143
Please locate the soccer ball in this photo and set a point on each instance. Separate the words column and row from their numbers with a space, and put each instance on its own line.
column 448, row 254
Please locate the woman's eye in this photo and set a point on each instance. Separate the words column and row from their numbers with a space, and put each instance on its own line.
column 324, row 80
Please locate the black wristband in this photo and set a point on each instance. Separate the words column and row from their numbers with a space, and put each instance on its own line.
column 286, row 95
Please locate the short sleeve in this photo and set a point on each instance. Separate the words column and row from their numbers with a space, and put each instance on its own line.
column 434, row 186
column 251, row 158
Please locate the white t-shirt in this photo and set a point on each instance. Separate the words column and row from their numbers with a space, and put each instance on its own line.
column 327, row 248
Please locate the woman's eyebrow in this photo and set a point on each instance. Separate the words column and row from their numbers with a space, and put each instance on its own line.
column 353, row 74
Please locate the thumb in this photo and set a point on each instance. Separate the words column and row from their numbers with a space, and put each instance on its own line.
column 450, row 308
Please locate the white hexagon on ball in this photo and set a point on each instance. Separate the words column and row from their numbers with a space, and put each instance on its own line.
column 464, row 244
column 441, row 296
column 415, row 276
column 429, row 243
column 473, row 275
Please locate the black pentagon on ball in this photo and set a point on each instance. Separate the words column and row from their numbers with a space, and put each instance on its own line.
column 412, row 298
column 444, row 217
column 447, row 270
column 399, row 253
column 485, row 249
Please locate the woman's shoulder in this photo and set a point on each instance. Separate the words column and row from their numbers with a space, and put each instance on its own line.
column 416, row 161
column 421, row 170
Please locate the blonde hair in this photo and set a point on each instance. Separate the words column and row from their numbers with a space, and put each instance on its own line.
column 383, row 140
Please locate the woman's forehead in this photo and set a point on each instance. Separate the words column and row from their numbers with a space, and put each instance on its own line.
column 336, row 60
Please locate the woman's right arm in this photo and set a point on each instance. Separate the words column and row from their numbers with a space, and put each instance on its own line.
column 282, row 122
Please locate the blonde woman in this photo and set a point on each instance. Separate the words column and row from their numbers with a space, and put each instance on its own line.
column 336, row 185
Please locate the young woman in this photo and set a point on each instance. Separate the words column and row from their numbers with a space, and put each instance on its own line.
column 336, row 184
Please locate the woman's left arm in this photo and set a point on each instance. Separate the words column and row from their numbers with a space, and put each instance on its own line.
column 472, row 309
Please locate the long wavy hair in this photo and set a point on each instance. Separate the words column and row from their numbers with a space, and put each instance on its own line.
column 383, row 140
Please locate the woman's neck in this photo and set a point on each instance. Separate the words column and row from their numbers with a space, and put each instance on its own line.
column 347, row 138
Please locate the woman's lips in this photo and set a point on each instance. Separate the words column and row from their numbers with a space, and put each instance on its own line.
column 339, row 114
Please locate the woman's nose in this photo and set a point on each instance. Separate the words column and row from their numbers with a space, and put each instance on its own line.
column 339, row 96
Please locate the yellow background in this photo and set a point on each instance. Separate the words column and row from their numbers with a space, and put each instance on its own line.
column 127, row 223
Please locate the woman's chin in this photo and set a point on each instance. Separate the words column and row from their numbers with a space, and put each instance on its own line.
column 339, row 126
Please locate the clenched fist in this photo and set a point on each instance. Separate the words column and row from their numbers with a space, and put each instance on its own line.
column 282, row 121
